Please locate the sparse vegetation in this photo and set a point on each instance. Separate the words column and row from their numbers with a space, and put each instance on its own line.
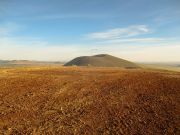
column 76, row 100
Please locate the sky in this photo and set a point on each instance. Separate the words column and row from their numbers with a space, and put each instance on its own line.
column 59, row 30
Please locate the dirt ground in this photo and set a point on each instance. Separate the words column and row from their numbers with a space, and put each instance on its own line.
column 91, row 101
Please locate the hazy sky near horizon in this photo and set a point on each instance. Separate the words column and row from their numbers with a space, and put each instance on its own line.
column 59, row 30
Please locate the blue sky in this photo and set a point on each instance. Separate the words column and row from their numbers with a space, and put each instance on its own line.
column 59, row 30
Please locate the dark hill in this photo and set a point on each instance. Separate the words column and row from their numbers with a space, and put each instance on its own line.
column 102, row 60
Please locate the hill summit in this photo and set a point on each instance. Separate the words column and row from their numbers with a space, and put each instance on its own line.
column 101, row 60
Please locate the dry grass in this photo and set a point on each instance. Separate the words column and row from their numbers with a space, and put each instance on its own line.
column 73, row 100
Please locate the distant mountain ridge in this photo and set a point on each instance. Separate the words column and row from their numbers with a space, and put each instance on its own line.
column 26, row 62
column 101, row 60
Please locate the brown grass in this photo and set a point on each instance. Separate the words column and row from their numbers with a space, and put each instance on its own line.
column 75, row 100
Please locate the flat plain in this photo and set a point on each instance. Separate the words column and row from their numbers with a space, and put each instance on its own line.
column 85, row 100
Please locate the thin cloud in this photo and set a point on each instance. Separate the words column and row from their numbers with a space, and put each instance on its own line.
column 118, row 33
column 136, row 40
column 131, row 48
column 40, row 51
column 161, row 53
column 71, row 16
column 8, row 28
column 66, row 16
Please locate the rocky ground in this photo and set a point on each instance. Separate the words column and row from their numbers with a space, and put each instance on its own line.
column 102, row 101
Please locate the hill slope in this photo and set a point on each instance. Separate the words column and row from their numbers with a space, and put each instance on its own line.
column 102, row 60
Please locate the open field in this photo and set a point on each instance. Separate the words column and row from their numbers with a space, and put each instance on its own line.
column 169, row 67
column 79, row 100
